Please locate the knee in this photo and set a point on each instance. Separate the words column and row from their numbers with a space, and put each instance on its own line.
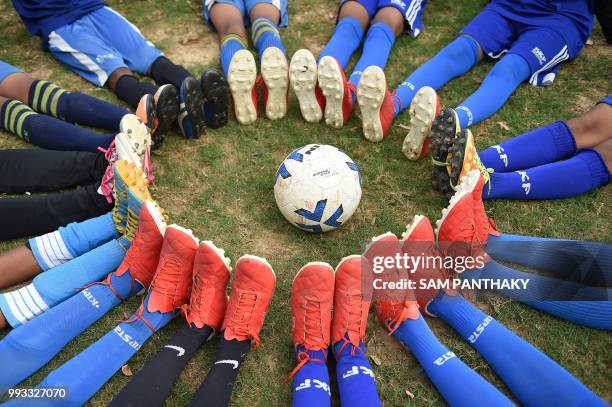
column 512, row 69
column 463, row 50
column 393, row 18
column 595, row 121
column 266, row 10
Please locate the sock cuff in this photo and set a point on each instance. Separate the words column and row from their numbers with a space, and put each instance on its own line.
column 44, row 97
column 563, row 138
column 472, row 44
column 14, row 115
column 233, row 37
column 22, row 305
column 261, row 26
column 596, row 165
column 354, row 24
column 384, row 28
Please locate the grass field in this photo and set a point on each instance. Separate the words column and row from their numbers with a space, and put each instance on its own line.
column 221, row 186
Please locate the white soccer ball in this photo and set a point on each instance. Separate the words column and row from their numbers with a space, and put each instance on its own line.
column 317, row 188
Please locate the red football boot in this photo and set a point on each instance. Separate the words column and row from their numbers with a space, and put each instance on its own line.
column 303, row 77
column 142, row 257
column 456, row 230
column 375, row 103
column 242, row 80
column 312, row 297
column 393, row 306
column 352, row 298
column 252, row 290
column 424, row 108
column 171, row 284
column 337, row 92
column 419, row 240
column 208, row 302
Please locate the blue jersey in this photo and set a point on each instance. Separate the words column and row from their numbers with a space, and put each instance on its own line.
column 573, row 19
column 43, row 16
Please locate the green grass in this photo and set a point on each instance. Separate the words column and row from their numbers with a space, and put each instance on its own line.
column 221, row 186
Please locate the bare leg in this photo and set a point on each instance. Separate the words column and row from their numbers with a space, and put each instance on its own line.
column 265, row 10
column 393, row 18
column 17, row 87
column 16, row 266
column 227, row 19
column 592, row 128
column 605, row 150
column 355, row 10
column 3, row 322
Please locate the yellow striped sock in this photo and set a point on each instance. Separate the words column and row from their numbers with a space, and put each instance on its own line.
column 235, row 37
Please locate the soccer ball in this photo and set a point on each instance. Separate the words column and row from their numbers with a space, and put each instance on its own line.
column 317, row 188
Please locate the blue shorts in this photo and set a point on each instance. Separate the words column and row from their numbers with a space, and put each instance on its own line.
column 607, row 100
column 99, row 43
column 245, row 7
column 7, row 69
column 412, row 10
column 543, row 49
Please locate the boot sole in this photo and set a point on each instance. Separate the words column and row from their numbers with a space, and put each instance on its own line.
column 422, row 115
column 332, row 86
column 370, row 95
column 241, row 78
column 443, row 130
column 193, row 101
column 216, row 94
column 303, row 79
column 275, row 74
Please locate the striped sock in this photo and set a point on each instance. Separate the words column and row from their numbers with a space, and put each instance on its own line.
column 230, row 44
column 44, row 98
column 264, row 33
column 74, row 107
column 13, row 115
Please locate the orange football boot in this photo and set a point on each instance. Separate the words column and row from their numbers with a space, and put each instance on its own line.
column 142, row 257
column 252, row 290
column 456, row 230
column 419, row 240
column 352, row 298
column 211, row 271
column 171, row 284
column 392, row 306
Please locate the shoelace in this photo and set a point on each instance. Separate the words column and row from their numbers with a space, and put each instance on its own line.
column 106, row 185
column 355, row 315
column 130, row 228
column 303, row 358
column 394, row 323
column 196, row 299
column 138, row 315
column 122, row 196
column 107, row 282
column 165, row 280
column 312, row 324
column 242, row 316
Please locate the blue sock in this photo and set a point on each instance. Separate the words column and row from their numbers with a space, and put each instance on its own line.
column 376, row 48
column 535, row 287
column 74, row 107
column 344, row 41
column 54, row 286
column 454, row 60
column 581, row 173
column 594, row 314
column 48, row 132
column 70, row 241
column 456, row 382
column 575, row 260
column 311, row 382
column 355, row 377
column 230, row 44
column 264, row 33
column 29, row 347
column 532, row 377
column 86, row 373
column 496, row 88
column 540, row 146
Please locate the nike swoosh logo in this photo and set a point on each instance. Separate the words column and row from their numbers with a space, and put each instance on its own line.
column 229, row 362
column 180, row 350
